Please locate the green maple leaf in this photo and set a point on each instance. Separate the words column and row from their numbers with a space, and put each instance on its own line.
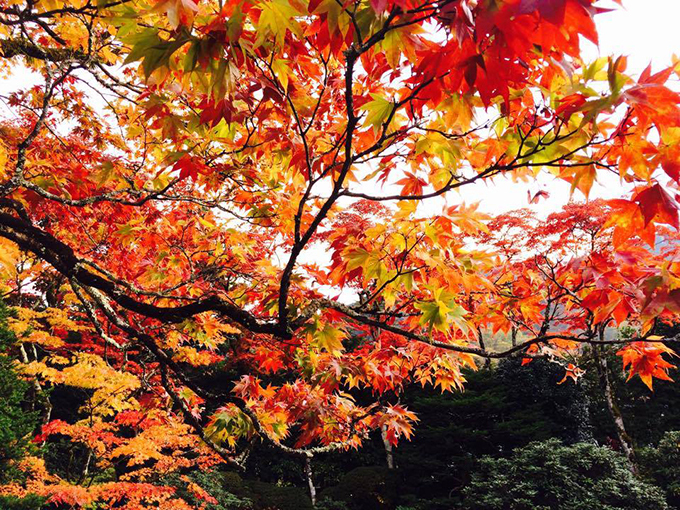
column 378, row 111
column 441, row 312
column 327, row 337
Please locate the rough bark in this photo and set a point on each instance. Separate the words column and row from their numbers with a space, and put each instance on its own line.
column 619, row 424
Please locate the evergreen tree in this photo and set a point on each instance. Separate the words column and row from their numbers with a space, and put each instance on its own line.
column 16, row 424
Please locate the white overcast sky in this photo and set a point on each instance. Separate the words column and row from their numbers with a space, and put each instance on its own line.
column 647, row 31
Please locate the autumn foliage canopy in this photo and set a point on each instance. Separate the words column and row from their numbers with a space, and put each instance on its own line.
column 235, row 220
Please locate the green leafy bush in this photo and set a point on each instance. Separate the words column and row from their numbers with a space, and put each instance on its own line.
column 662, row 465
column 551, row 476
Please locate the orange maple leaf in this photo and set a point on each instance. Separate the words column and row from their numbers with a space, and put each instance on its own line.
column 645, row 359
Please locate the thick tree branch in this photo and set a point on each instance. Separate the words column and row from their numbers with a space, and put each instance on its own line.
column 47, row 247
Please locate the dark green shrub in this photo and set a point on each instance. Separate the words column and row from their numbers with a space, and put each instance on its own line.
column 331, row 504
column 267, row 496
column 366, row 488
column 551, row 476
column 662, row 465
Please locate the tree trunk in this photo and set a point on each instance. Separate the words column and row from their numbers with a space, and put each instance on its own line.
column 623, row 437
column 480, row 336
column 388, row 448
column 310, row 481
column 37, row 390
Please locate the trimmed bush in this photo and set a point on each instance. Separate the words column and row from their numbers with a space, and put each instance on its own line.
column 551, row 476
